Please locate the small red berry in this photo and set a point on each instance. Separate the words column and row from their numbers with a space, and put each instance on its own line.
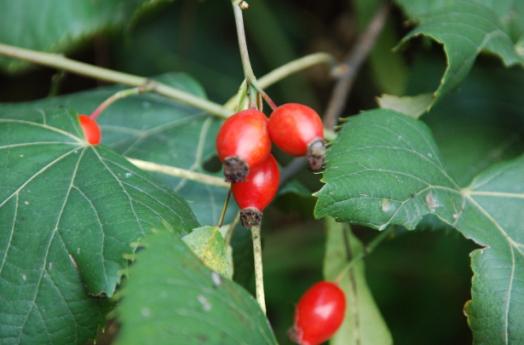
column 242, row 143
column 298, row 130
column 319, row 314
column 92, row 131
column 257, row 191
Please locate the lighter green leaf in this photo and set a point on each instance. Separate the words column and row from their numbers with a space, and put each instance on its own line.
column 363, row 324
column 384, row 168
column 59, row 26
column 68, row 213
column 464, row 28
column 413, row 106
column 170, row 297
column 208, row 244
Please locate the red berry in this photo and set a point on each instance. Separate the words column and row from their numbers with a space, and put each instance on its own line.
column 257, row 191
column 242, row 143
column 319, row 313
column 92, row 131
column 297, row 130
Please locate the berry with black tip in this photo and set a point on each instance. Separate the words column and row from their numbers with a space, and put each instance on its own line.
column 298, row 130
column 257, row 191
column 242, row 143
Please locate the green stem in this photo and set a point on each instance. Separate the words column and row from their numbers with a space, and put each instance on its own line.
column 62, row 63
column 259, row 270
column 365, row 252
column 231, row 228
column 295, row 66
column 179, row 172
column 281, row 73
column 242, row 42
column 224, row 209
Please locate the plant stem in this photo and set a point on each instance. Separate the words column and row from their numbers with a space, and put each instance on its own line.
column 179, row 172
column 365, row 252
column 224, row 209
column 259, row 270
column 62, row 63
column 242, row 43
column 115, row 97
column 293, row 67
column 281, row 73
column 231, row 228
column 348, row 70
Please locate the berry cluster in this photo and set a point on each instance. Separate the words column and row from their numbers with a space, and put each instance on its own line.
column 244, row 147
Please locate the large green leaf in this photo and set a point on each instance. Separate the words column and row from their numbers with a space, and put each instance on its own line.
column 172, row 298
column 153, row 128
column 363, row 324
column 68, row 213
column 384, row 168
column 464, row 28
column 59, row 26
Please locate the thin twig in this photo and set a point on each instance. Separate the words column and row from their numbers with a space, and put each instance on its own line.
column 242, row 42
column 224, row 209
column 259, row 271
column 62, row 63
column 117, row 96
column 295, row 66
column 231, row 228
column 349, row 69
column 179, row 172
column 346, row 72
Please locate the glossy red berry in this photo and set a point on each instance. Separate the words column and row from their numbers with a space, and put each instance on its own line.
column 319, row 314
column 298, row 130
column 92, row 131
column 257, row 191
column 242, row 143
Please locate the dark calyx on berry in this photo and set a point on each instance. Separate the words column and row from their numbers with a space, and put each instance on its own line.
column 235, row 169
column 316, row 154
column 250, row 216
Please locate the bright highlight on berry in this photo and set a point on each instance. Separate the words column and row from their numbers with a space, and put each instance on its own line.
column 319, row 314
column 92, row 131
column 242, row 143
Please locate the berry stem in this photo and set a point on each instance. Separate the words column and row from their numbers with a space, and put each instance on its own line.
column 224, row 209
column 259, row 269
column 231, row 228
column 265, row 96
column 179, row 172
column 117, row 96
column 365, row 252
column 62, row 63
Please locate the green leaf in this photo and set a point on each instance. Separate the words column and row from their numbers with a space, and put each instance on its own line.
column 170, row 297
column 384, row 168
column 413, row 106
column 68, row 213
column 363, row 323
column 464, row 28
column 154, row 128
column 48, row 25
column 208, row 244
